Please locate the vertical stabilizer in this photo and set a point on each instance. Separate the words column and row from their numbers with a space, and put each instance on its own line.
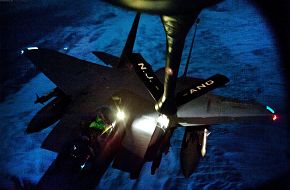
column 128, row 49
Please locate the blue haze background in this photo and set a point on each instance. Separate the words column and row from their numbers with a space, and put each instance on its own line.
column 233, row 38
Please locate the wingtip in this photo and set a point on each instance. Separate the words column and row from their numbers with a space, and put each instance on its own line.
column 32, row 48
column 225, row 78
column 28, row 49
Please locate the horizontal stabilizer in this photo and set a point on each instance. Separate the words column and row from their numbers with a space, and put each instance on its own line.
column 147, row 75
column 200, row 89
column 107, row 58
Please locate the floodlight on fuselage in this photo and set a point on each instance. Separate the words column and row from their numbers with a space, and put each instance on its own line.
column 120, row 115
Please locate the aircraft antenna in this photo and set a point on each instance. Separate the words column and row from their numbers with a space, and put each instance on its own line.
column 190, row 50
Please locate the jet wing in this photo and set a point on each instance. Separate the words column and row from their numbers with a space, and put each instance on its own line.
column 65, row 131
column 107, row 58
column 70, row 74
column 200, row 89
column 212, row 109
column 140, row 128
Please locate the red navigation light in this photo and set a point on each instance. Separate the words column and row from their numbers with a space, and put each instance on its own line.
column 275, row 117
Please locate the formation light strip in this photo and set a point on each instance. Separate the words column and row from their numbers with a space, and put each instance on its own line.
column 31, row 48
column 270, row 109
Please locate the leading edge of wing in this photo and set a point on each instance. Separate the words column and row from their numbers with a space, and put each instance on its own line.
column 65, row 131
column 70, row 74
column 107, row 58
column 212, row 109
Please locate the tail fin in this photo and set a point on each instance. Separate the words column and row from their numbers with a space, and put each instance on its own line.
column 147, row 75
column 155, row 87
column 128, row 48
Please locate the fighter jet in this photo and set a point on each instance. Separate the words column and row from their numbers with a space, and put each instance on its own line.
column 129, row 88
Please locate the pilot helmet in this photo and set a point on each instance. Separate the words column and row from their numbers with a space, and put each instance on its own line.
column 106, row 114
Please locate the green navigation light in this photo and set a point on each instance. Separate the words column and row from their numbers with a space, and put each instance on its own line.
column 82, row 166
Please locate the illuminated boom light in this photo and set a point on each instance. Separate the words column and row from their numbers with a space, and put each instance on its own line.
column 145, row 124
column 162, row 121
